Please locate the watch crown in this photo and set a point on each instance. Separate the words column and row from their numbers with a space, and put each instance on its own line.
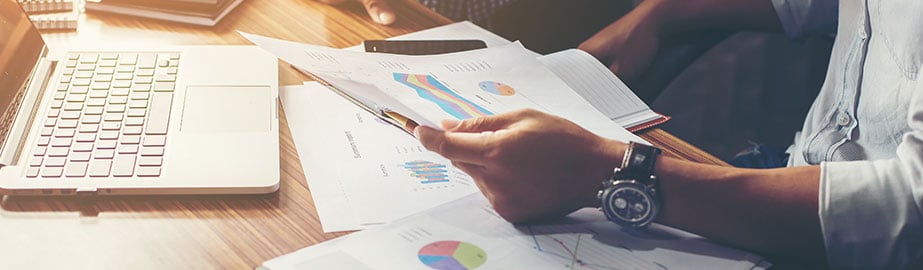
column 599, row 195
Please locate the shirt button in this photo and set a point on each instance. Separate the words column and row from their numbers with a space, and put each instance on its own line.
column 843, row 119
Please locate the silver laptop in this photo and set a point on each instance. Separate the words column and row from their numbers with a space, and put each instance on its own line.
column 183, row 120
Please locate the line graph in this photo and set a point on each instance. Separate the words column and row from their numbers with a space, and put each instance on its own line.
column 579, row 249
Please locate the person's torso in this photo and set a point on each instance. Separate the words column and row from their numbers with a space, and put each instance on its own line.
column 862, row 111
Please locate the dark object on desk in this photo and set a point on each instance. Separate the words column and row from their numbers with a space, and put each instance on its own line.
column 422, row 47
column 200, row 12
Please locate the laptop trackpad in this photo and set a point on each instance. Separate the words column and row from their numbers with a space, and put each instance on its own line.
column 226, row 109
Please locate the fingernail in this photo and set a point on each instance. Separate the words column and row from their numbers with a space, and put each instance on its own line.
column 385, row 18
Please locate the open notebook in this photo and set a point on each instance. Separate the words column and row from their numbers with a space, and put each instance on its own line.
column 595, row 83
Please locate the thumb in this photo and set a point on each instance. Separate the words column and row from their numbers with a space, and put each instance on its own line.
column 380, row 11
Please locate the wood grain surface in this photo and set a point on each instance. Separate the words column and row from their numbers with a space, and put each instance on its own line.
column 204, row 232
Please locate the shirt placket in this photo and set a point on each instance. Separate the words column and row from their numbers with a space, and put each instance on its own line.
column 845, row 118
column 841, row 121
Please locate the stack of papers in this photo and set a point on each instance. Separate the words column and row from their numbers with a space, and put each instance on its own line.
column 365, row 174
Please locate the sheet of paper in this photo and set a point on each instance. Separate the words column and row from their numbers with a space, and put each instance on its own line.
column 467, row 234
column 460, row 85
column 362, row 171
column 599, row 86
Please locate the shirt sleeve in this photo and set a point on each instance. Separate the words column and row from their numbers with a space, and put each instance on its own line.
column 870, row 211
column 803, row 18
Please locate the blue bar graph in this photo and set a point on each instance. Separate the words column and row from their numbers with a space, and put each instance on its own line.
column 429, row 172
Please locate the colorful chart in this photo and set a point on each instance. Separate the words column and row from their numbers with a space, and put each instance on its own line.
column 452, row 255
column 429, row 172
column 497, row 88
column 429, row 88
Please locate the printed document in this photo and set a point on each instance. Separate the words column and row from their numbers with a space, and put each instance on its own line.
column 460, row 85
column 468, row 234
column 361, row 170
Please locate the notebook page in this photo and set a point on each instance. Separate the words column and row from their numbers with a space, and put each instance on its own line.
column 582, row 72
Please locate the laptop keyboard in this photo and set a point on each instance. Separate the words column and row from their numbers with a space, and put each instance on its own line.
column 109, row 117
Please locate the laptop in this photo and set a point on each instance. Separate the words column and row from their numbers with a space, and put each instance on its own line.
column 178, row 120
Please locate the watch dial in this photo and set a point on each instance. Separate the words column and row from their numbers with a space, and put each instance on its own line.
column 628, row 203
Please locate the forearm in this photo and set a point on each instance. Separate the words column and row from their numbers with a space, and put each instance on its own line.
column 683, row 16
column 773, row 212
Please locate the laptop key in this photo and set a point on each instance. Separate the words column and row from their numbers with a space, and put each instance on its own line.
column 86, row 137
column 104, row 154
column 44, row 140
column 55, row 162
column 123, row 165
column 152, row 151
column 148, row 171
column 164, row 87
column 159, row 116
column 79, row 89
column 94, row 110
column 130, row 139
column 79, row 156
column 91, row 119
column 36, row 161
column 128, row 149
column 40, row 151
column 108, row 135
column 100, row 167
column 132, row 130
column 112, row 117
column 52, row 171
column 155, row 140
column 82, row 147
column 70, row 115
column 58, row 151
column 106, row 144
column 150, row 161
column 111, row 125
column 128, row 59
column 65, row 133
column 32, row 172
column 63, row 142
column 76, row 169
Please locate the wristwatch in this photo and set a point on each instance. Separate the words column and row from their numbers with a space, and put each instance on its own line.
column 629, row 197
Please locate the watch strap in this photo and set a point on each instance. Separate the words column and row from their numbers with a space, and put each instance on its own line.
column 638, row 162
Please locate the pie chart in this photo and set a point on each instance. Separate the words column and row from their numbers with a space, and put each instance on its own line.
column 497, row 88
column 452, row 255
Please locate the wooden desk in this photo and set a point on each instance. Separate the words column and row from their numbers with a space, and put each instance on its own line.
column 203, row 232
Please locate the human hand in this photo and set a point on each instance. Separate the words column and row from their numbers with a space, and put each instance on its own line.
column 530, row 165
column 629, row 44
column 380, row 11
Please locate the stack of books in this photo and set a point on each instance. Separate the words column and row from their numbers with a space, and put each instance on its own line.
column 199, row 12
column 51, row 14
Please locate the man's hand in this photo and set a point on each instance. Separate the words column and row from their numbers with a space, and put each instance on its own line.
column 380, row 11
column 629, row 44
column 529, row 164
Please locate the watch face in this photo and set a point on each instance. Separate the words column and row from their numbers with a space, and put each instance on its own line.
column 629, row 203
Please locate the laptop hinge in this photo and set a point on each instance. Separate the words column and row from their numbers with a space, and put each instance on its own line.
column 35, row 89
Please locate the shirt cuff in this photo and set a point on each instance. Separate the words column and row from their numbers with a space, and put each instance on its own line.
column 867, row 215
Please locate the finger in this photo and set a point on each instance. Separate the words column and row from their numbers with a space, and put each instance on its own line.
column 464, row 147
column 474, row 170
column 331, row 2
column 380, row 11
column 481, row 124
column 477, row 173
